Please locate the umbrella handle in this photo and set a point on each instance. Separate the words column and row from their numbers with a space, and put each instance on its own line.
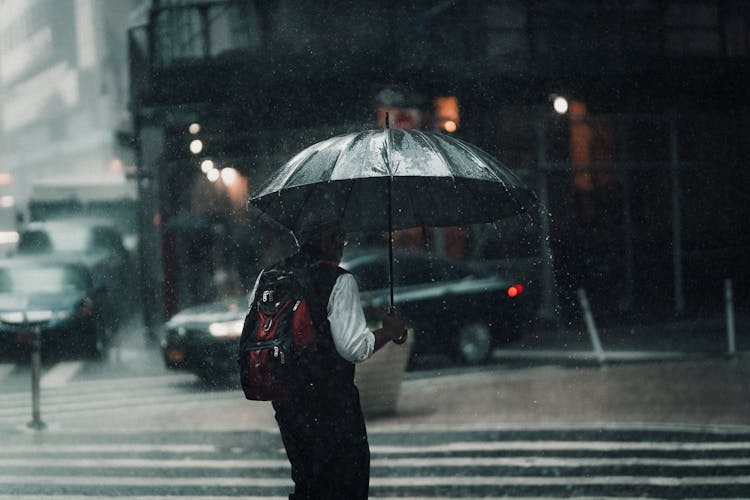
column 404, row 335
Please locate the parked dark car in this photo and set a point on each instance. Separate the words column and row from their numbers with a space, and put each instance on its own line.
column 93, row 241
column 58, row 295
column 203, row 339
column 455, row 307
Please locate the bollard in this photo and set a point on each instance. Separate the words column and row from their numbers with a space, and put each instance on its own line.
column 591, row 327
column 36, row 369
column 729, row 305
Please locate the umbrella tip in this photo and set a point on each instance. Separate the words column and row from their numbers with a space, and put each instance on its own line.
column 387, row 123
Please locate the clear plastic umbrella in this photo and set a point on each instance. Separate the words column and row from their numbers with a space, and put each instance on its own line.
column 384, row 180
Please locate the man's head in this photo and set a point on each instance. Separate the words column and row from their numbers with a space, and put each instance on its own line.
column 328, row 238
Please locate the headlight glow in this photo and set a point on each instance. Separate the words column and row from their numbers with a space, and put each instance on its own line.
column 19, row 317
column 231, row 329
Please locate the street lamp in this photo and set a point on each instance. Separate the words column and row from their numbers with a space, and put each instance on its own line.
column 196, row 146
column 206, row 166
column 560, row 104
column 228, row 176
column 213, row 175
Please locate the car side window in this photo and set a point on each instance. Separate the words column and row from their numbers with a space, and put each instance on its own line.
column 34, row 242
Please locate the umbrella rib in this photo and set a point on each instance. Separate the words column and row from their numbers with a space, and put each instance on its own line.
column 435, row 150
column 480, row 160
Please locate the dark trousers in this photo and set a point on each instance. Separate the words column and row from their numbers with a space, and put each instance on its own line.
column 327, row 448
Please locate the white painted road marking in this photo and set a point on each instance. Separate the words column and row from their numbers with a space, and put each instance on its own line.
column 60, row 374
column 445, row 462
column 401, row 481
column 5, row 369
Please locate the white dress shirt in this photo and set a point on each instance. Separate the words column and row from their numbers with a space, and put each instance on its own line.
column 353, row 340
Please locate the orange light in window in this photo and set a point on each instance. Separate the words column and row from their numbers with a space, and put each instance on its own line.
column 447, row 114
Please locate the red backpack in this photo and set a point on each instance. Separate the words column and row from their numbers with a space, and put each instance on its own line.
column 277, row 334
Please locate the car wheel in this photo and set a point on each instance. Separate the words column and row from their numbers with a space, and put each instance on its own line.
column 474, row 343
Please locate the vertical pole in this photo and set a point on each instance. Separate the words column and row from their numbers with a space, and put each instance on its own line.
column 729, row 305
column 36, row 368
column 390, row 237
column 674, row 163
column 205, row 30
column 627, row 219
column 390, row 208
column 591, row 327
column 547, row 304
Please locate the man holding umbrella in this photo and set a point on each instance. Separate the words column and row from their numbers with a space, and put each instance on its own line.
column 323, row 430
column 372, row 180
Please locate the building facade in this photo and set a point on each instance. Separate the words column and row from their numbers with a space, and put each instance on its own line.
column 63, row 97
column 651, row 131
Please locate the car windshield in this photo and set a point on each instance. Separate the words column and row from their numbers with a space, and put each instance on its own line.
column 40, row 280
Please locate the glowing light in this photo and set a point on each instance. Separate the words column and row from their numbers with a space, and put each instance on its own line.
column 8, row 237
column 515, row 290
column 560, row 104
column 115, row 165
column 7, row 201
column 196, row 146
column 228, row 176
column 5, row 178
column 194, row 128
column 213, row 175
column 450, row 126
column 207, row 165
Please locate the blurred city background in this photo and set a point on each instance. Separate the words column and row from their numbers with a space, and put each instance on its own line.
column 628, row 119
column 595, row 345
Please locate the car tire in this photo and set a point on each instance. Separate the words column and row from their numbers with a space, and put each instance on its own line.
column 474, row 343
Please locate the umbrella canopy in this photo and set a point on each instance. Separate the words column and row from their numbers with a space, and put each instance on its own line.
column 392, row 179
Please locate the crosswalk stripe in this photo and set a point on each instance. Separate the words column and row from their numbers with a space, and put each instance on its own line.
column 106, row 448
column 105, row 386
column 213, row 497
column 118, row 401
column 399, row 481
column 60, row 374
column 460, row 446
column 563, row 446
column 232, row 497
column 6, row 369
column 449, row 462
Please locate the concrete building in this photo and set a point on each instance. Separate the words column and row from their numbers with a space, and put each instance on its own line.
column 63, row 97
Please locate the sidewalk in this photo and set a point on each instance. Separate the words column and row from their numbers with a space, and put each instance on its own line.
column 706, row 392
column 695, row 393
column 676, row 372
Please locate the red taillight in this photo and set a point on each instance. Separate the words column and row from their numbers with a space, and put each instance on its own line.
column 515, row 290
